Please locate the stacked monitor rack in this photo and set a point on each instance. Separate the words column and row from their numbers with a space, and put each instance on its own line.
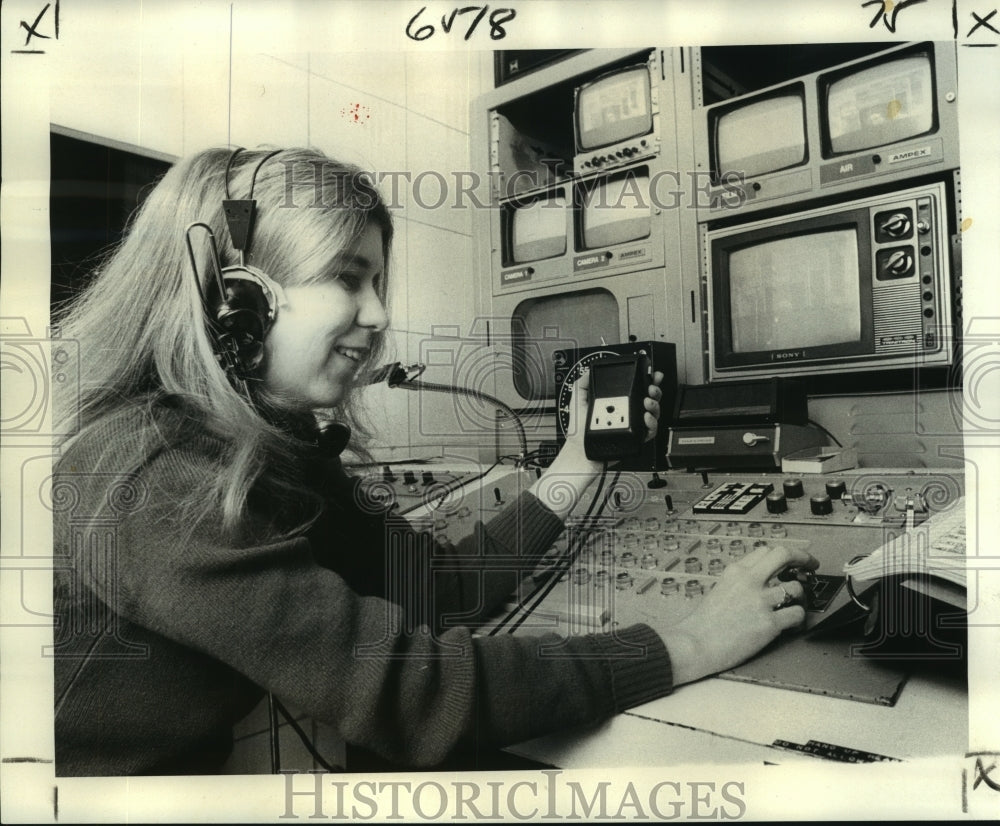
column 770, row 210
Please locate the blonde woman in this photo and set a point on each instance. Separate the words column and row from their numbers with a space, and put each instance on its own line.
column 210, row 546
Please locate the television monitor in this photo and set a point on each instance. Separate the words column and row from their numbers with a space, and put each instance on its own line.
column 614, row 210
column 796, row 290
column 878, row 104
column 536, row 229
column 614, row 107
column 857, row 285
column 544, row 324
column 880, row 120
column 762, row 135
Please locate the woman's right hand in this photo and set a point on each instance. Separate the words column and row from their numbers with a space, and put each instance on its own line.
column 739, row 616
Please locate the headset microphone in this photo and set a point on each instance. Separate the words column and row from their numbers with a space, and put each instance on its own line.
column 247, row 299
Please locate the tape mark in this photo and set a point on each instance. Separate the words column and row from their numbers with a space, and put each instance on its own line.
column 25, row 760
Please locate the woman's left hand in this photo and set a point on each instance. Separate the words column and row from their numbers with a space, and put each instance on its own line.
column 571, row 472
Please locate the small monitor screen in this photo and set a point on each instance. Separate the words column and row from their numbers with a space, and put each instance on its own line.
column 883, row 104
column 538, row 230
column 796, row 291
column 616, row 210
column 762, row 136
column 556, row 322
column 614, row 108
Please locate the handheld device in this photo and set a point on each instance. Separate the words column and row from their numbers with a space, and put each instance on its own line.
column 615, row 426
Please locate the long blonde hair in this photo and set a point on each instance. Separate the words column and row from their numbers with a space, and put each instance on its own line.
column 140, row 325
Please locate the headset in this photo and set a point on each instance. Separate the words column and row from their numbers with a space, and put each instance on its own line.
column 240, row 315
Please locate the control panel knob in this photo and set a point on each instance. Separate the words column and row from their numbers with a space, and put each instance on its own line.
column 821, row 505
column 776, row 503
column 900, row 262
column 388, row 475
column 923, row 227
column 836, row 489
column 427, row 478
column 409, row 477
column 896, row 225
column 792, row 488
column 753, row 439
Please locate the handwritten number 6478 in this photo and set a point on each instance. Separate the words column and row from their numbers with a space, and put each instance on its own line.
column 497, row 19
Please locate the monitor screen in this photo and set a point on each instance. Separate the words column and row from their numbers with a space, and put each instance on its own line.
column 538, row 230
column 882, row 104
column 796, row 291
column 557, row 322
column 614, row 108
column 616, row 210
column 761, row 136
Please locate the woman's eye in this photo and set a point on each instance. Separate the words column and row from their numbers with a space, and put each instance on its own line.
column 351, row 283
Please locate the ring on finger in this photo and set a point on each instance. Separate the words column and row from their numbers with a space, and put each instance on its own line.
column 786, row 600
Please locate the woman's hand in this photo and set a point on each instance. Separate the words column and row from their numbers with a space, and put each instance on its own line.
column 746, row 609
column 571, row 472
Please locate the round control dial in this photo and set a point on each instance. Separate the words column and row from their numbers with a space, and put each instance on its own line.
column 792, row 488
column 896, row 225
column 776, row 503
column 821, row 505
column 836, row 489
column 899, row 262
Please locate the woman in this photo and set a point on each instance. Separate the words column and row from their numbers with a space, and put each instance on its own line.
column 210, row 547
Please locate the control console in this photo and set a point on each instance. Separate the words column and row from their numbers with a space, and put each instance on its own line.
column 654, row 550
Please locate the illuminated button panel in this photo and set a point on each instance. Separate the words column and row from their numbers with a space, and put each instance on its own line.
column 733, row 498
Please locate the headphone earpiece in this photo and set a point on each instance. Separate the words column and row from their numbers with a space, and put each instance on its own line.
column 245, row 314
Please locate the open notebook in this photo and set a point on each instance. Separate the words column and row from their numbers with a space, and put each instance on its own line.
column 934, row 548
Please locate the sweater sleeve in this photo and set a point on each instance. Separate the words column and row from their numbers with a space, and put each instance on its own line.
column 446, row 585
column 407, row 691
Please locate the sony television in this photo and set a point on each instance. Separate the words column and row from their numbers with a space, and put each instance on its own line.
column 616, row 117
column 859, row 285
column 879, row 120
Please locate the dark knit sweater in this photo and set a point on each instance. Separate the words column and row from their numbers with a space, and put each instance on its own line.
column 167, row 635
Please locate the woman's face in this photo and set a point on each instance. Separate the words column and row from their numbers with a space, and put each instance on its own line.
column 324, row 330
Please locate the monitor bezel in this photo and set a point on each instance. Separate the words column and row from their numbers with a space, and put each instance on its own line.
column 508, row 210
column 825, row 80
column 717, row 113
column 585, row 186
column 602, row 78
column 725, row 358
